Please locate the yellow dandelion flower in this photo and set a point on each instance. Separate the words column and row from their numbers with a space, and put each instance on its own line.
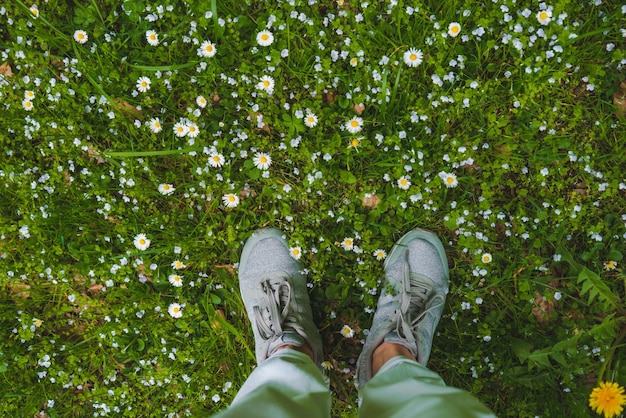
column 608, row 399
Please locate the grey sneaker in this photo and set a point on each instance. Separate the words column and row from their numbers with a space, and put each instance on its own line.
column 274, row 291
column 410, row 306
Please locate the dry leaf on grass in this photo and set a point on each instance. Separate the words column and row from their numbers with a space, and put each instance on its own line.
column 370, row 201
column 619, row 99
column 359, row 108
column 5, row 70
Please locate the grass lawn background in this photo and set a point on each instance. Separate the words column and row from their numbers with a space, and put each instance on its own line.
column 505, row 137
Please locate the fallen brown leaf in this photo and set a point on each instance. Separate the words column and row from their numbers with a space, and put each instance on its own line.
column 370, row 201
column 619, row 99
column 542, row 309
column 127, row 108
column 359, row 108
column 5, row 70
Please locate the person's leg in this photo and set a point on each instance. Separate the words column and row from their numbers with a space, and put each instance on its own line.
column 286, row 385
column 403, row 388
column 392, row 377
column 288, row 381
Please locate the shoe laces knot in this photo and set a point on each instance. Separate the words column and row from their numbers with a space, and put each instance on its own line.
column 415, row 302
column 274, row 314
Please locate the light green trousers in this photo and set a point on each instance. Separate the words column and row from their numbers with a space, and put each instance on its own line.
column 289, row 385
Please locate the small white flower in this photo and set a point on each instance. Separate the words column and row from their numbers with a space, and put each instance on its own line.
column 152, row 37
column 192, row 129
column 347, row 332
column 348, row 244
column 454, row 29
column 216, row 398
column 230, row 200
column 262, row 160
column 178, row 265
column 544, row 16
column 265, row 38
column 180, row 129
column 143, row 84
column 449, row 179
column 216, row 159
column 166, row 189
column 201, row 101
column 295, row 252
column 380, row 254
column 141, row 242
column 413, row 57
column 266, row 84
column 27, row 105
column 404, row 183
column 155, row 125
column 175, row 310
column 81, row 36
column 175, row 280
column 207, row 49
column 35, row 11
column 486, row 258
column 310, row 120
column 354, row 125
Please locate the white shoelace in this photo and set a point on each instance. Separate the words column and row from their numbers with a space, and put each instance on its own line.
column 273, row 315
column 416, row 291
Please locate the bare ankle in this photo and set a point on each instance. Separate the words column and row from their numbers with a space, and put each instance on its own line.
column 385, row 352
column 303, row 349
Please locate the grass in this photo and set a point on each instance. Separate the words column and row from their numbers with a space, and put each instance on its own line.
column 521, row 113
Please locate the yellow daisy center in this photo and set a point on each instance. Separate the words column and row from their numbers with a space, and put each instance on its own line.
column 355, row 142
column 142, row 241
column 264, row 37
column 413, row 57
column 450, row 180
column 454, row 29
column 266, row 83
column 310, row 119
column 348, row 242
column 231, row 198
column 354, row 123
column 81, row 36
column 543, row 15
column 144, row 84
column 262, row 160
column 296, row 251
column 209, row 48
column 157, row 124
column 166, row 187
column 176, row 309
column 216, row 159
column 403, row 182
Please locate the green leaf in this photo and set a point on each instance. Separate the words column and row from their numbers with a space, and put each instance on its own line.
column 347, row 177
column 596, row 287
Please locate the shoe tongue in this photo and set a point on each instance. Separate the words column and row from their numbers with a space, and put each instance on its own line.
column 286, row 338
column 394, row 338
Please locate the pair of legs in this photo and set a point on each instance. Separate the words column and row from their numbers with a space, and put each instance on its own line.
column 392, row 377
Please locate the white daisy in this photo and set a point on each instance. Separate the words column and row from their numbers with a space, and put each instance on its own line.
column 354, row 62
column 413, row 57
column 404, row 183
column 347, row 332
column 380, row 254
column 310, row 120
column 265, row 38
column 180, row 129
column 141, row 242
column 155, row 125
column 266, row 83
column 27, row 105
column 348, row 244
column 295, row 252
column 207, row 49
column 486, row 258
column 178, row 265
column 80, row 36
column 175, row 280
column 166, row 189
column 192, row 129
column 262, row 160
column 29, row 94
column 143, row 84
column 230, row 200
column 216, row 159
column 544, row 16
column 201, row 101
column 152, row 37
column 354, row 125
column 175, row 310
column 34, row 10
column 449, row 179
column 454, row 29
